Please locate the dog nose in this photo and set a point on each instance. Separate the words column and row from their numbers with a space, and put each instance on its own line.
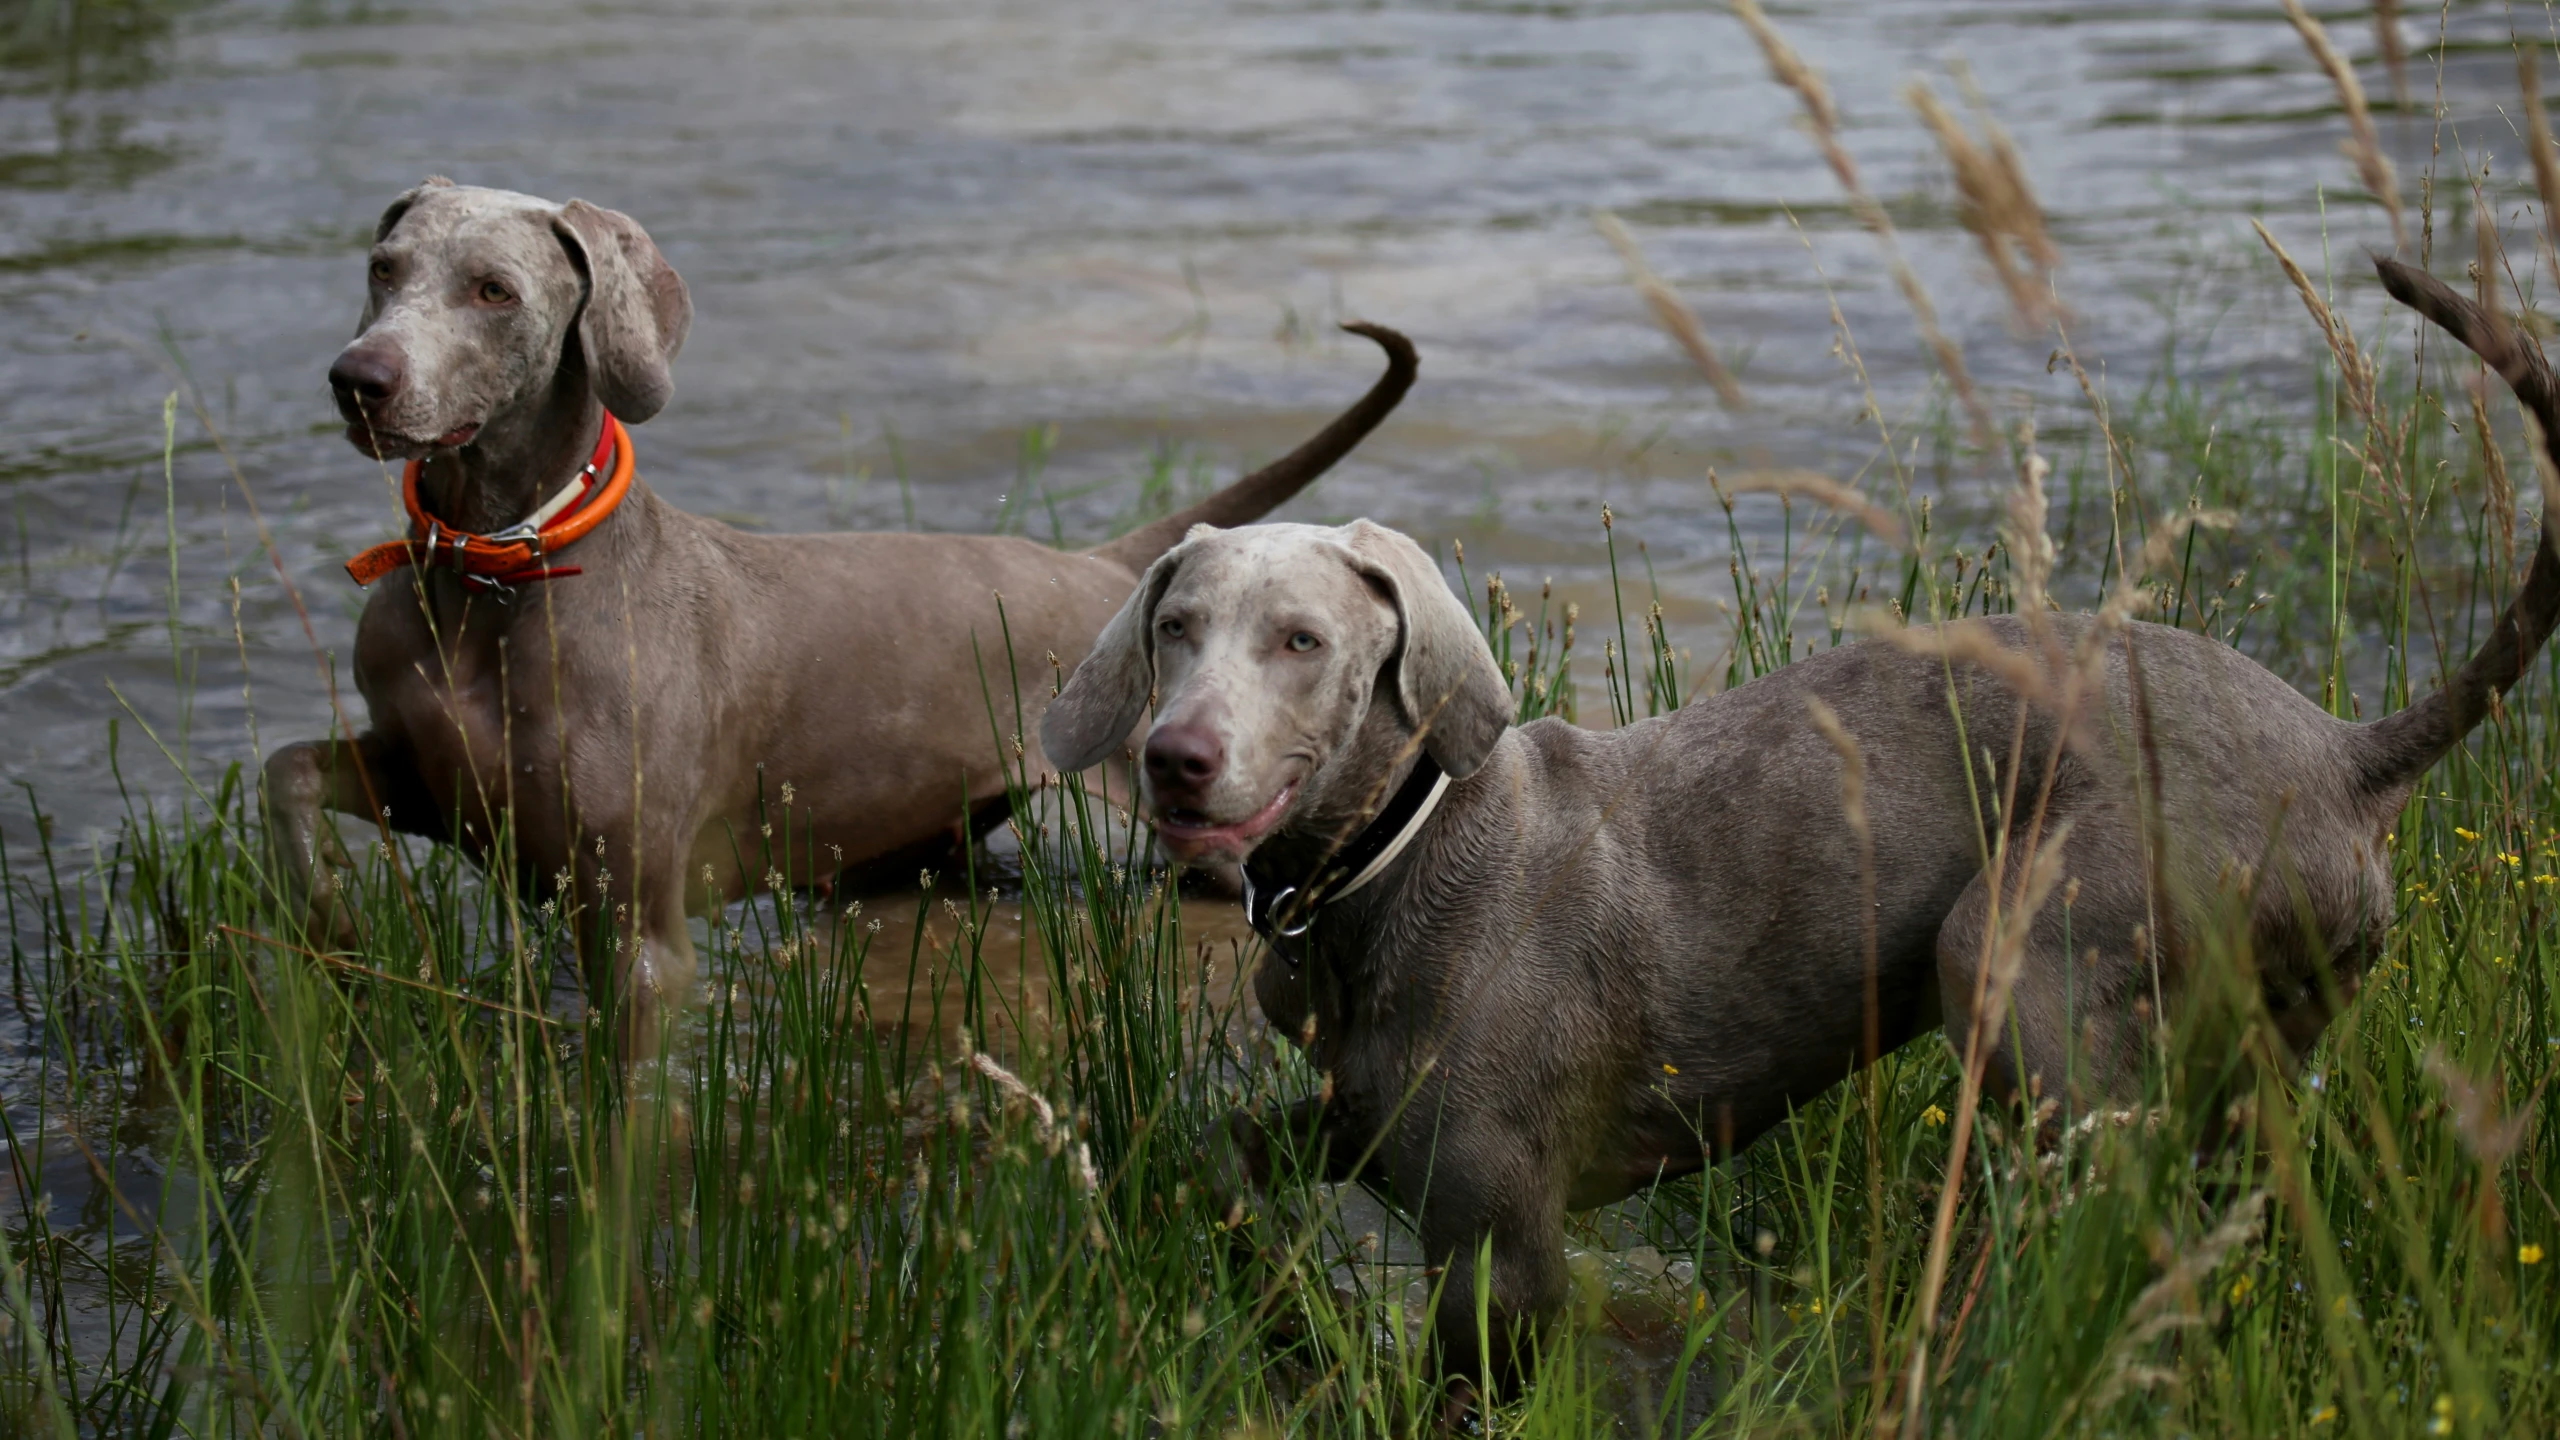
column 1186, row 756
column 368, row 374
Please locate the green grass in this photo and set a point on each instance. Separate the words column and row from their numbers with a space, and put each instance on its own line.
column 405, row 1192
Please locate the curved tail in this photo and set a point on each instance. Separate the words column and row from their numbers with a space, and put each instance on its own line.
column 2399, row 747
column 1257, row 494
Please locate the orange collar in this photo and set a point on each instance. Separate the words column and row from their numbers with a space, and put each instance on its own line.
column 509, row 557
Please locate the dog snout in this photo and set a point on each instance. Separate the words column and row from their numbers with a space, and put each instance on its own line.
column 1184, row 759
column 367, row 375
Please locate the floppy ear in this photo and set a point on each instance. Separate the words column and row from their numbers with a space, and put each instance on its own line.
column 1108, row 693
column 399, row 206
column 1447, row 685
column 636, row 313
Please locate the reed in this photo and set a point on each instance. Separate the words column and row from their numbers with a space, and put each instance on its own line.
column 930, row 1161
column 1674, row 313
column 1822, row 122
column 2364, row 143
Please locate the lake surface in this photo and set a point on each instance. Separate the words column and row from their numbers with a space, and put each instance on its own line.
column 1130, row 220
column 1122, row 227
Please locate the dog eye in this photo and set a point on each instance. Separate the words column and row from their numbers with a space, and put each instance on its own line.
column 494, row 293
column 1172, row 629
column 381, row 270
column 1303, row 641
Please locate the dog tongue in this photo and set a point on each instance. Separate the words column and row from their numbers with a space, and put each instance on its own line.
column 458, row 436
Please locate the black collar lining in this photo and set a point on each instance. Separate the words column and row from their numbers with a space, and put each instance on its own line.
column 1280, row 910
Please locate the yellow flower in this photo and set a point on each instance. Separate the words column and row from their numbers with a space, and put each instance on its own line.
column 1698, row 1303
column 1933, row 1116
column 2545, row 879
column 2528, row 1254
column 2443, row 1423
column 2465, row 834
column 2512, row 860
column 2325, row 1415
column 1670, row 1069
column 2241, row 1287
column 1817, row 1307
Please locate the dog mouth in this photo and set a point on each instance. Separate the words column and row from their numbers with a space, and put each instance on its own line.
column 373, row 439
column 1188, row 834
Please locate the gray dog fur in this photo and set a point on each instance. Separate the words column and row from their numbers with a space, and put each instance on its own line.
column 1613, row 956
column 630, row 720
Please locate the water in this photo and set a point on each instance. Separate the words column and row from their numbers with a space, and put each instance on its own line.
column 1131, row 221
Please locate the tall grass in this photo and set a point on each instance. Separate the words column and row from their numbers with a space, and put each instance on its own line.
column 405, row 1192
column 897, row 1176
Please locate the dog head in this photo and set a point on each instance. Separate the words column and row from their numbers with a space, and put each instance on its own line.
column 1294, row 668
column 476, row 300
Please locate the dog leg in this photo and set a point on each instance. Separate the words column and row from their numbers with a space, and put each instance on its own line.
column 1310, row 1140
column 635, row 947
column 1482, row 1201
column 306, row 781
column 2072, row 1031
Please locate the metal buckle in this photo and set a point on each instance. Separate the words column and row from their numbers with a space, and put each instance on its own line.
column 520, row 533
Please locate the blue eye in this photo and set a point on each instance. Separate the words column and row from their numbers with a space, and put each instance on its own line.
column 1172, row 629
column 1303, row 641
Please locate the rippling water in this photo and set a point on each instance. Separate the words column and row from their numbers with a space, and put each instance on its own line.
column 1132, row 220
column 1129, row 220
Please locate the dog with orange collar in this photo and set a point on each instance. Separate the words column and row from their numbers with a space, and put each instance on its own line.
column 621, row 715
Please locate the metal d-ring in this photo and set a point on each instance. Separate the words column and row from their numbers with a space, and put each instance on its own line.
column 1289, row 932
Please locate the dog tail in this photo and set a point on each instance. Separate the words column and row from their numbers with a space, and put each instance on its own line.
column 1257, row 494
column 2398, row 748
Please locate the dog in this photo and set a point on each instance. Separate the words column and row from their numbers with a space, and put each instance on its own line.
column 634, row 690
column 1542, row 967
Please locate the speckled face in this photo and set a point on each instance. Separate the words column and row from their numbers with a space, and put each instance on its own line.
column 1268, row 643
column 470, row 297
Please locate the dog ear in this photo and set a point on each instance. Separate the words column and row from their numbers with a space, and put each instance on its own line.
column 400, row 204
column 1108, row 693
column 636, row 313
column 1451, row 692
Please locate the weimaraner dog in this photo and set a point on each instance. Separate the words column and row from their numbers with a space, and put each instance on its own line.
column 1586, row 960
column 633, row 688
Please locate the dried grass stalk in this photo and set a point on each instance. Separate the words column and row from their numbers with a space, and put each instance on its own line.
column 1968, row 643
column 2364, row 145
column 1819, row 488
column 1823, row 118
column 2537, row 146
column 2170, row 1302
column 2007, row 958
column 2354, row 371
column 2395, row 52
column 1853, row 808
column 1671, row 310
column 2159, row 547
column 1054, row 1135
column 2493, row 461
column 1995, row 204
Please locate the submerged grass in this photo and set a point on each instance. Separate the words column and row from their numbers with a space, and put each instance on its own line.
column 920, row 1181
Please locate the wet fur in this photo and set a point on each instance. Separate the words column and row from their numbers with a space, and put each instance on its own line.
column 1614, row 956
column 638, row 723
